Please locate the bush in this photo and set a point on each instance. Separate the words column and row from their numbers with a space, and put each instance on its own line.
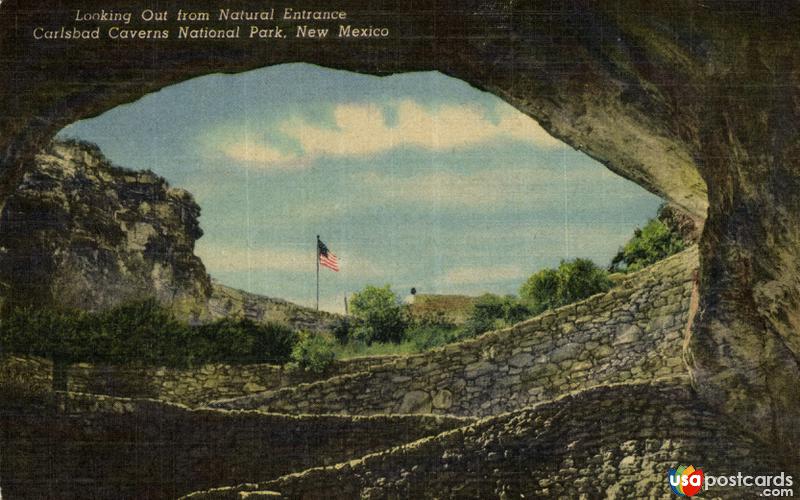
column 243, row 341
column 571, row 282
column 542, row 290
column 425, row 337
column 380, row 315
column 654, row 242
column 273, row 343
column 313, row 353
column 142, row 333
column 342, row 329
column 491, row 312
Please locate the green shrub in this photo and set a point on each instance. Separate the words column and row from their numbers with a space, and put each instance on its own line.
column 60, row 336
column 380, row 315
column 491, row 312
column 313, row 353
column 342, row 329
column 570, row 282
column 541, row 290
column 425, row 337
column 654, row 242
column 273, row 343
column 142, row 333
column 243, row 341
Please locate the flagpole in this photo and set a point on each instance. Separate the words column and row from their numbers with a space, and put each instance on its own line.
column 317, row 272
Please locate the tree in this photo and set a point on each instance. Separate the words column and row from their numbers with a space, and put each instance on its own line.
column 570, row 282
column 579, row 279
column 380, row 315
column 654, row 242
column 541, row 290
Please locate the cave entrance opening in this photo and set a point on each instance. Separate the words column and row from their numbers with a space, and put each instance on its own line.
column 417, row 180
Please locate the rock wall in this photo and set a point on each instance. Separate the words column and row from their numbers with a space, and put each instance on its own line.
column 200, row 385
column 453, row 309
column 80, row 232
column 608, row 442
column 632, row 333
column 86, row 446
column 190, row 386
column 24, row 381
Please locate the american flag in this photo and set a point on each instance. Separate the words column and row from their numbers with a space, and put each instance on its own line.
column 326, row 257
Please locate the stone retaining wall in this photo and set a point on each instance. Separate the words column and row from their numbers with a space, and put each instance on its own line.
column 89, row 446
column 631, row 333
column 195, row 386
column 190, row 386
column 607, row 442
column 24, row 381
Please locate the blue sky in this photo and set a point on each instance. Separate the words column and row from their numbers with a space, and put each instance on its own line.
column 413, row 180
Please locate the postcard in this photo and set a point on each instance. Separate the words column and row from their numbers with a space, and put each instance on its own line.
column 399, row 249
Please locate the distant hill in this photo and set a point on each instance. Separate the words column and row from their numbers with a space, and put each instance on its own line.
column 227, row 302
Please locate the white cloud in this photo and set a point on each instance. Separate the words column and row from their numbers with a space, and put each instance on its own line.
column 482, row 275
column 487, row 188
column 361, row 130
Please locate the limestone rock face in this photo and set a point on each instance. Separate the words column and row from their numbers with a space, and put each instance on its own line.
column 81, row 232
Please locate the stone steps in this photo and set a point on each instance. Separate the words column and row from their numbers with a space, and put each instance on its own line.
column 89, row 446
column 614, row 441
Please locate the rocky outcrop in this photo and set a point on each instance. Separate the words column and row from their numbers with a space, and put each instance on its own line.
column 453, row 309
column 80, row 232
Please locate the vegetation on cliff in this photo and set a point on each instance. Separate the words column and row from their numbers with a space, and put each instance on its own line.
column 661, row 237
column 143, row 333
column 381, row 324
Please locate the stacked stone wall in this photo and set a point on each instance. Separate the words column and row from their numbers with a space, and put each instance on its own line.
column 89, row 446
column 189, row 386
column 24, row 380
column 632, row 333
column 607, row 442
column 195, row 386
